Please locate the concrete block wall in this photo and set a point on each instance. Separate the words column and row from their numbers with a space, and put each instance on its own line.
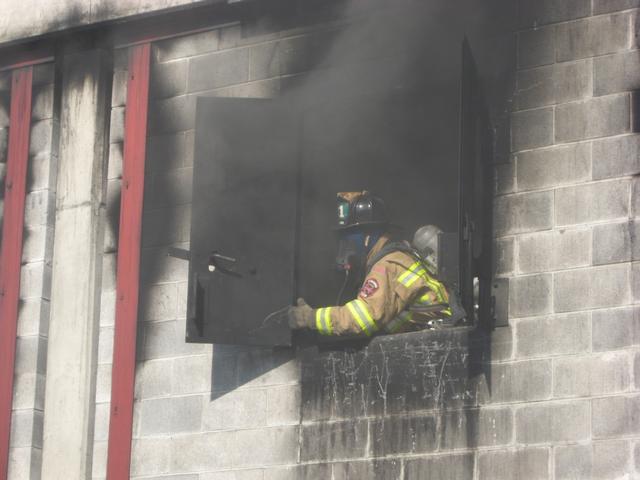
column 35, row 282
column 566, row 220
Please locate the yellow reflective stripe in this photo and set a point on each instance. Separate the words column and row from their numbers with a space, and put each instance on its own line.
column 359, row 312
column 395, row 324
column 323, row 321
column 414, row 272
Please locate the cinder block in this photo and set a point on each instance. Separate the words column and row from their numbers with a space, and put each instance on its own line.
column 530, row 295
column 237, row 409
column 158, row 302
column 107, row 308
column 28, row 391
column 504, row 255
column 476, row 428
column 616, row 328
column 218, row 70
column 109, row 264
column 505, row 178
column 161, row 340
column 592, row 202
column 264, row 367
column 538, row 169
column 549, row 85
column 169, row 152
column 554, row 250
column 24, row 463
column 608, row 6
column 105, row 345
column 537, row 47
column 182, row 300
column 593, row 36
column 151, row 456
column 615, row 242
column 616, row 157
column 596, row 287
column 259, row 89
column 283, row 405
column 443, row 467
column 402, row 435
column 172, row 188
column 168, row 79
column 591, row 376
column 636, row 371
column 35, row 247
column 166, row 226
column 99, row 460
column 116, row 125
column 635, row 281
column 115, row 161
column 573, row 462
column 174, row 114
column 520, row 381
column 171, row 415
column 35, row 280
column 502, row 344
column 33, row 317
column 192, row 374
column 154, row 379
column 531, row 129
column 42, row 102
column 40, row 137
column 521, row 213
column 334, row 441
column 529, row 463
column 387, row 469
column 598, row 117
column 615, row 416
column 103, row 383
column 26, row 429
column 101, row 425
column 40, row 168
column 119, row 88
column 617, row 73
column 611, row 459
column 554, row 422
column 563, row 334
column 158, row 267
column 187, row 45
column 268, row 446
column 37, row 209
column 532, row 14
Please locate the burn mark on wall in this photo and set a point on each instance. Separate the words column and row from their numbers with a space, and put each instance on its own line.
column 401, row 394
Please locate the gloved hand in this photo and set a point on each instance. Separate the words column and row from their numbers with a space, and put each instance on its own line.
column 301, row 316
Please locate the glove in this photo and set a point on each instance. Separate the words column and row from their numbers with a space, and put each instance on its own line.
column 301, row 316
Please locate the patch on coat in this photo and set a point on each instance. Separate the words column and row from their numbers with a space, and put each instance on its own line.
column 369, row 287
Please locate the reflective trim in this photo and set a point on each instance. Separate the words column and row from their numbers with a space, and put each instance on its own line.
column 359, row 312
column 323, row 321
column 394, row 325
column 414, row 272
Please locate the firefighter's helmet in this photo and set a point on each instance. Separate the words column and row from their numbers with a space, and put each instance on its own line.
column 361, row 209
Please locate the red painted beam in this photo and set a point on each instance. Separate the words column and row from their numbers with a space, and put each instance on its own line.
column 11, row 248
column 128, row 268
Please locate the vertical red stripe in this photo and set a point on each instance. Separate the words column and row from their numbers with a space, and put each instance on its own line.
column 11, row 248
column 128, row 269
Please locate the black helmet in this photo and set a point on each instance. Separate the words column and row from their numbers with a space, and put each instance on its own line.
column 361, row 209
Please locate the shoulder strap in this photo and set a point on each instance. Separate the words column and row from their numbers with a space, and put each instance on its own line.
column 390, row 248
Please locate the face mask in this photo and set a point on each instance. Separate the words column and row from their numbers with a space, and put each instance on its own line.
column 353, row 249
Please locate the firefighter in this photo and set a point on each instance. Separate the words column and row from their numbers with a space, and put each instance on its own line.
column 399, row 291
